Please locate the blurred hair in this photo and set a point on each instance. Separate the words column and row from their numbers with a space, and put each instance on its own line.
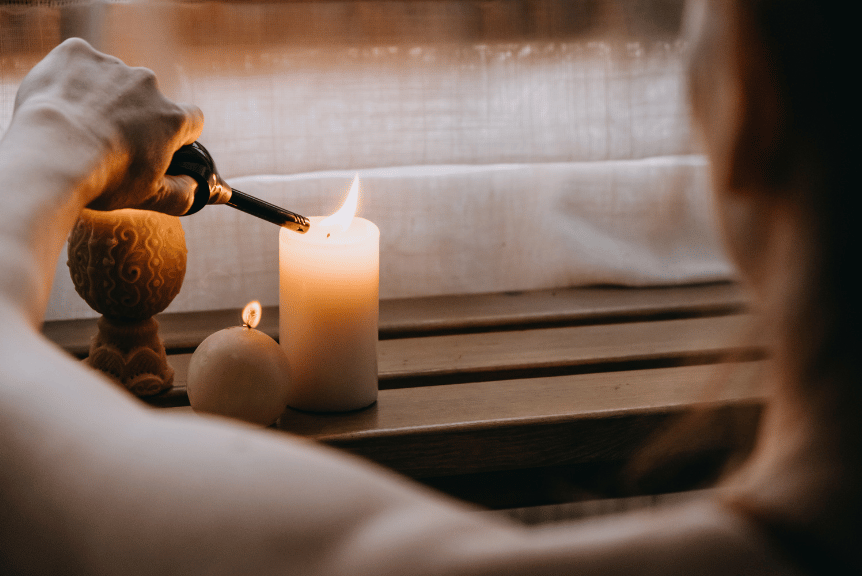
column 812, row 54
column 809, row 51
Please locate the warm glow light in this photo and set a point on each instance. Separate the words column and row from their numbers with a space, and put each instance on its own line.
column 251, row 314
column 341, row 218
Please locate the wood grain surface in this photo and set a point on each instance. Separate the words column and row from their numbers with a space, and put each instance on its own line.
column 555, row 306
column 528, row 423
column 477, row 356
column 467, row 428
column 540, row 400
column 565, row 346
column 460, row 313
column 504, row 399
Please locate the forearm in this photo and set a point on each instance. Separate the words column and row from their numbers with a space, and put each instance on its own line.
column 46, row 182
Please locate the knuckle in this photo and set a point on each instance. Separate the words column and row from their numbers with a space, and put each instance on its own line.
column 77, row 49
column 196, row 114
column 174, row 117
column 109, row 60
column 144, row 77
column 183, row 117
column 75, row 45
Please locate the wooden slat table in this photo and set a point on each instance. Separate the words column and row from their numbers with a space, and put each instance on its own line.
column 527, row 398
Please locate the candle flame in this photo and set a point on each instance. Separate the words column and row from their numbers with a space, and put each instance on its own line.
column 342, row 217
column 251, row 314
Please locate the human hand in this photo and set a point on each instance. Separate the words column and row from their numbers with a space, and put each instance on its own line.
column 109, row 128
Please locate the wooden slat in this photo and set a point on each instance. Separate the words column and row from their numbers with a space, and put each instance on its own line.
column 591, row 508
column 556, row 306
column 480, row 356
column 466, row 428
column 549, row 442
column 403, row 317
column 600, row 395
column 564, row 347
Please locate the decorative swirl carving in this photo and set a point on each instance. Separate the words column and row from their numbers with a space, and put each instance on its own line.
column 127, row 265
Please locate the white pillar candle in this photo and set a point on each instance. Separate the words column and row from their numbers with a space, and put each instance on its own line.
column 328, row 308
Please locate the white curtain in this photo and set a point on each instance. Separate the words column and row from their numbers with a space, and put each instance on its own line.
column 501, row 145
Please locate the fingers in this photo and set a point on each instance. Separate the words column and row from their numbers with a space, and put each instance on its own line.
column 174, row 196
column 176, row 193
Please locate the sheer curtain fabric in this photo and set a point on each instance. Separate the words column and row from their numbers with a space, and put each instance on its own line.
column 501, row 146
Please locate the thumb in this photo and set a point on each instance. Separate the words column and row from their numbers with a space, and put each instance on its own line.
column 174, row 196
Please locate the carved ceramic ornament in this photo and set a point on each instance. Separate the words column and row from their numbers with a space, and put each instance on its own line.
column 129, row 265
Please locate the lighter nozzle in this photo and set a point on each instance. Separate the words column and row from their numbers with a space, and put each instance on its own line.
column 268, row 212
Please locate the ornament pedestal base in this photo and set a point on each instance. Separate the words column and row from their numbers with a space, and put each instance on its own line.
column 132, row 354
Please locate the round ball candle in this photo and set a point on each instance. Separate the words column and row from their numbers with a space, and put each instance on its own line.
column 240, row 372
column 328, row 303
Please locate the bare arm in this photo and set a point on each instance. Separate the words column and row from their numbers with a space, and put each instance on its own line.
column 93, row 481
column 87, row 130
